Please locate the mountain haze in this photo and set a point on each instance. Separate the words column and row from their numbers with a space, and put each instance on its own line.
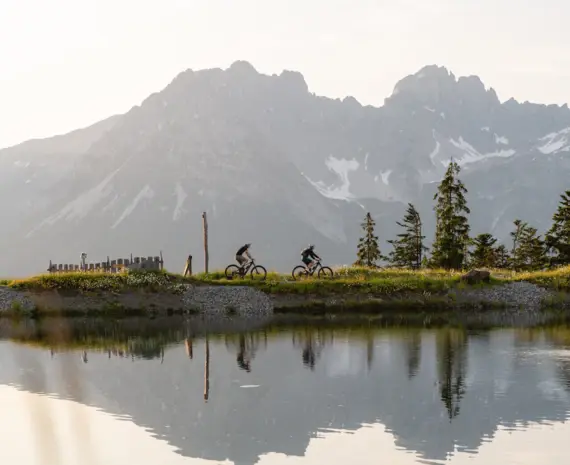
column 275, row 165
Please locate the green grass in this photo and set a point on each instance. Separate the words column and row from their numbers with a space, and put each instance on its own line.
column 354, row 280
column 557, row 279
column 93, row 282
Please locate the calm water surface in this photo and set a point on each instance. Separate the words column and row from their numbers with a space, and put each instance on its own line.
column 303, row 395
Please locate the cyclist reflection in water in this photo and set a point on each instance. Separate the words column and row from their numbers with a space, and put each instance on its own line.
column 243, row 361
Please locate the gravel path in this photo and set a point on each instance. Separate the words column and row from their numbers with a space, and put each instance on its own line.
column 226, row 300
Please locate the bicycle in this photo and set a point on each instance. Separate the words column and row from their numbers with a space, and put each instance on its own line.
column 301, row 271
column 256, row 271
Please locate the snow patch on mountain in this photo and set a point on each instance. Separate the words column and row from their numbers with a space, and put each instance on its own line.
column 145, row 193
column 385, row 175
column 471, row 155
column 341, row 167
column 555, row 142
column 181, row 196
column 501, row 140
column 80, row 207
column 435, row 151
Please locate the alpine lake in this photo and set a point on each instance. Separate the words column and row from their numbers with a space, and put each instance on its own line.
column 314, row 391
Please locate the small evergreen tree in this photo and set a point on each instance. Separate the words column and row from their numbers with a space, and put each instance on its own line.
column 484, row 254
column 502, row 259
column 558, row 237
column 452, row 228
column 409, row 247
column 517, row 262
column 368, row 250
column 531, row 251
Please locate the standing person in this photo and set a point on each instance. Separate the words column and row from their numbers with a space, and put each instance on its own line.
column 83, row 261
column 242, row 253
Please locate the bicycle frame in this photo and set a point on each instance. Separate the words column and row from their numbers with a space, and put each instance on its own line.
column 315, row 268
column 245, row 270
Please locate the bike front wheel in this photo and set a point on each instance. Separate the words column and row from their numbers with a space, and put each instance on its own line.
column 232, row 271
column 258, row 272
column 326, row 272
column 299, row 272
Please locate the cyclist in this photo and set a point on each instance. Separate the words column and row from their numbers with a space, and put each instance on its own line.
column 243, row 250
column 308, row 257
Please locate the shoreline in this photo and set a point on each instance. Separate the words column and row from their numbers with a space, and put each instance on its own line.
column 353, row 291
column 247, row 301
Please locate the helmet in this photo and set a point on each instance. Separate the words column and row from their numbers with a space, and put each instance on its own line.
column 311, row 246
column 248, row 244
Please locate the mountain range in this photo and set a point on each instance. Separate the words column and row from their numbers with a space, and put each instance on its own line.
column 278, row 166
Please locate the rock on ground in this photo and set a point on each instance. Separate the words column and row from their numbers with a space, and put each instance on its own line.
column 11, row 300
column 516, row 294
column 243, row 301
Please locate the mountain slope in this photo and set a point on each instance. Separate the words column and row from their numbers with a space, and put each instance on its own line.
column 277, row 166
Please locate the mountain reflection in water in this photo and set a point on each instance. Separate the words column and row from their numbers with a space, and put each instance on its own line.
column 408, row 395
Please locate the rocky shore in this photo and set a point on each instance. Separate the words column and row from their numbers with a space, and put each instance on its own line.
column 240, row 301
column 248, row 302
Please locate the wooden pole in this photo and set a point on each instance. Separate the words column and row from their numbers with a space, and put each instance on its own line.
column 188, row 267
column 161, row 262
column 206, row 255
column 207, row 371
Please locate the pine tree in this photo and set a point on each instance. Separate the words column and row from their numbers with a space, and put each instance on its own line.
column 558, row 237
column 484, row 254
column 409, row 247
column 368, row 250
column 502, row 259
column 517, row 262
column 452, row 228
column 532, row 250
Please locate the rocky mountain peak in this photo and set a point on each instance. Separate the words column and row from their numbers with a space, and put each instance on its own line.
column 437, row 87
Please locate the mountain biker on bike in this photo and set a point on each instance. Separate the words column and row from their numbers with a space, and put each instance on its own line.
column 243, row 250
column 308, row 257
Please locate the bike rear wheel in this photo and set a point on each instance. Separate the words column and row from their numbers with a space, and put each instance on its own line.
column 299, row 272
column 326, row 272
column 232, row 271
column 258, row 272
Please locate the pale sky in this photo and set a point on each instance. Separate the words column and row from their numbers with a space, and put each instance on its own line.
column 65, row 64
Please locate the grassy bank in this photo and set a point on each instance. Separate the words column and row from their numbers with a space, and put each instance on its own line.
column 352, row 290
column 346, row 281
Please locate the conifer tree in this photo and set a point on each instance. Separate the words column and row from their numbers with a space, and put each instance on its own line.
column 532, row 251
column 484, row 254
column 502, row 259
column 452, row 228
column 517, row 262
column 529, row 251
column 368, row 250
column 558, row 237
column 409, row 247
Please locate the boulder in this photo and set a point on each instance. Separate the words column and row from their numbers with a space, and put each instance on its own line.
column 476, row 277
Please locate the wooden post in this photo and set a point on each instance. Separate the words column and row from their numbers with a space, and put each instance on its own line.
column 188, row 268
column 161, row 262
column 206, row 255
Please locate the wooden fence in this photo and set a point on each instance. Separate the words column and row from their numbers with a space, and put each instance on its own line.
column 110, row 266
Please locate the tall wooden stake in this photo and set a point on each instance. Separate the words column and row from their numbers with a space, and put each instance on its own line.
column 206, row 255
column 207, row 372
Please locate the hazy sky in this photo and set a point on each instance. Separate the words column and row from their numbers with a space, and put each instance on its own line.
column 65, row 64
